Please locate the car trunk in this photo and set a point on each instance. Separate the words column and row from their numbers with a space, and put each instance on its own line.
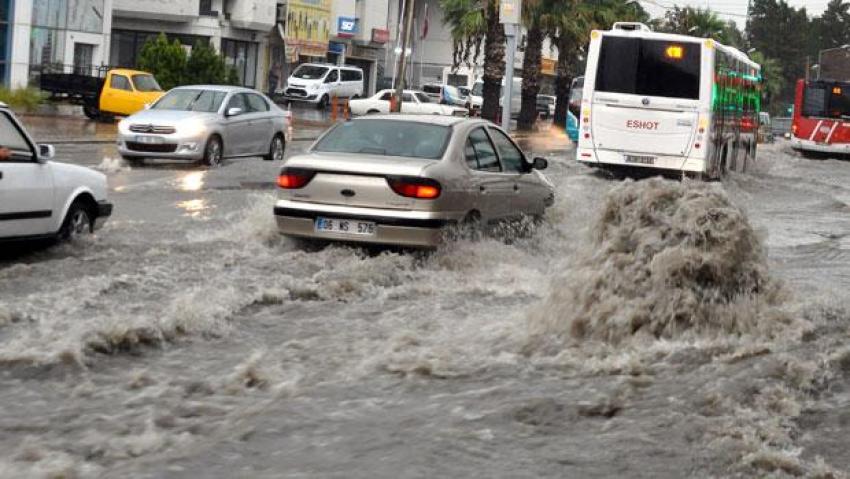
column 355, row 180
column 646, row 96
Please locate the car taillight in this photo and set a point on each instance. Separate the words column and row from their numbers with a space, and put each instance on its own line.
column 421, row 188
column 294, row 178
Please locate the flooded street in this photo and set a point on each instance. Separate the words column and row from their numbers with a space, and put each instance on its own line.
column 649, row 329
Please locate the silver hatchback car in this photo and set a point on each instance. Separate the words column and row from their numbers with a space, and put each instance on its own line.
column 208, row 123
column 401, row 179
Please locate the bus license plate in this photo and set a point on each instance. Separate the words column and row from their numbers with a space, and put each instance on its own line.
column 641, row 160
column 350, row 227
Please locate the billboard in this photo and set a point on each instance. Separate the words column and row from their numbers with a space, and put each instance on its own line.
column 308, row 28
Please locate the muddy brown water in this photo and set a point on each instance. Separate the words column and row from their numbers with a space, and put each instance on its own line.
column 649, row 329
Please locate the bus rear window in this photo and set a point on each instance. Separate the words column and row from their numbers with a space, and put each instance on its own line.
column 827, row 101
column 645, row 67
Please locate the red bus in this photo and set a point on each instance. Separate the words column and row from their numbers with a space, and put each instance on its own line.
column 821, row 123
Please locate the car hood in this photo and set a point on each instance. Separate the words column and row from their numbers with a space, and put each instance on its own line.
column 169, row 117
column 361, row 163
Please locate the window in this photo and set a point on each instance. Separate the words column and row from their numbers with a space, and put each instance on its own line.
column 649, row 67
column 146, row 83
column 243, row 57
column 238, row 101
column 387, row 137
column 126, row 45
column 309, row 72
column 386, row 96
column 205, row 9
column 85, row 15
column 407, row 98
column 351, row 75
column 120, row 82
column 511, row 156
column 332, row 77
column 423, row 98
column 484, row 152
column 257, row 103
column 5, row 30
column 11, row 136
column 183, row 99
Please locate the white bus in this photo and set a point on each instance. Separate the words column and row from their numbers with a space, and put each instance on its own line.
column 671, row 103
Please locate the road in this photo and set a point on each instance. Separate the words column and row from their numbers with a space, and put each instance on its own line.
column 187, row 339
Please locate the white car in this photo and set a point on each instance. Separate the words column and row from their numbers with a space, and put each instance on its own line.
column 412, row 101
column 42, row 199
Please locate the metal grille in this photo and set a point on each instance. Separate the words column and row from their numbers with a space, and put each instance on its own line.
column 151, row 148
column 158, row 129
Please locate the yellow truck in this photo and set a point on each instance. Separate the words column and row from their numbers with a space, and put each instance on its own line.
column 121, row 92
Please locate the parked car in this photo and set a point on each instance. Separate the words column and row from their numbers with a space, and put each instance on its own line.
column 412, row 102
column 208, row 123
column 41, row 198
column 781, row 126
column 576, row 94
column 403, row 179
column 477, row 97
column 317, row 83
column 445, row 94
column 123, row 92
column 545, row 106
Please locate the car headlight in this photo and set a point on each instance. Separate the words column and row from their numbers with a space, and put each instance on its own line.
column 123, row 126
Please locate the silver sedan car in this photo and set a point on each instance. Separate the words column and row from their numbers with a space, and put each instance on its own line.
column 402, row 179
column 207, row 123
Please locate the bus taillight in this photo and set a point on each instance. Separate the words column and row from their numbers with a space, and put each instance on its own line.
column 794, row 128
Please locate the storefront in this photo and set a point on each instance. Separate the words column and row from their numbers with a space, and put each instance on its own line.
column 126, row 45
column 5, row 39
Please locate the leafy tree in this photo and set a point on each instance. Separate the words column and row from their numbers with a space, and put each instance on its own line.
column 771, row 72
column 833, row 26
column 695, row 22
column 166, row 61
column 204, row 66
column 472, row 22
column 535, row 14
column 233, row 77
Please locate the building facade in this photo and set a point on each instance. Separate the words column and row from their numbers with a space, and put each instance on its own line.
column 264, row 40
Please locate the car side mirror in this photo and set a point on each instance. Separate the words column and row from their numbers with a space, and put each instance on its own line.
column 539, row 163
column 46, row 152
column 234, row 111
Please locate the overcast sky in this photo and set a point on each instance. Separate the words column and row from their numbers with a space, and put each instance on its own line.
column 728, row 9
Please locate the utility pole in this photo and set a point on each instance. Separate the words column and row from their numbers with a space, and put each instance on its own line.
column 408, row 25
column 510, row 14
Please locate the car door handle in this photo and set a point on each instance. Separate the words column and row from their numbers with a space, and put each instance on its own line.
column 482, row 188
column 1, row 175
column 516, row 187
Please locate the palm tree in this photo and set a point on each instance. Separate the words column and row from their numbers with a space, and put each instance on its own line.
column 535, row 16
column 696, row 22
column 470, row 23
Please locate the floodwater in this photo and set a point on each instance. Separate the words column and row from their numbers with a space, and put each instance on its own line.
column 648, row 329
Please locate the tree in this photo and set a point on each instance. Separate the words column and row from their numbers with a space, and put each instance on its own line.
column 785, row 34
column 233, row 77
column 535, row 15
column 833, row 26
column 166, row 61
column 771, row 72
column 471, row 22
column 204, row 66
column 695, row 22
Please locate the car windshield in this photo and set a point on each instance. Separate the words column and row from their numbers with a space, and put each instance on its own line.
column 146, row 83
column 309, row 72
column 387, row 138
column 191, row 100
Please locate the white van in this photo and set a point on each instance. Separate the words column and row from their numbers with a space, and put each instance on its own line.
column 317, row 83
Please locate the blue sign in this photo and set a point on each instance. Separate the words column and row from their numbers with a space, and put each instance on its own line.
column 346, row 26
column 336, row 47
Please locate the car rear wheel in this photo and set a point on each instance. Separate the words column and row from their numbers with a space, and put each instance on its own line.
column 372, row 112
column 213, row 152
column 276, row 149
column 78, row 222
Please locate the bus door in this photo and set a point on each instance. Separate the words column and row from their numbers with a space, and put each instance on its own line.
column 646, row 96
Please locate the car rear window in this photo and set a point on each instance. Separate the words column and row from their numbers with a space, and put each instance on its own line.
column 827, row 100
column 388, row 138
column 645, row 67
